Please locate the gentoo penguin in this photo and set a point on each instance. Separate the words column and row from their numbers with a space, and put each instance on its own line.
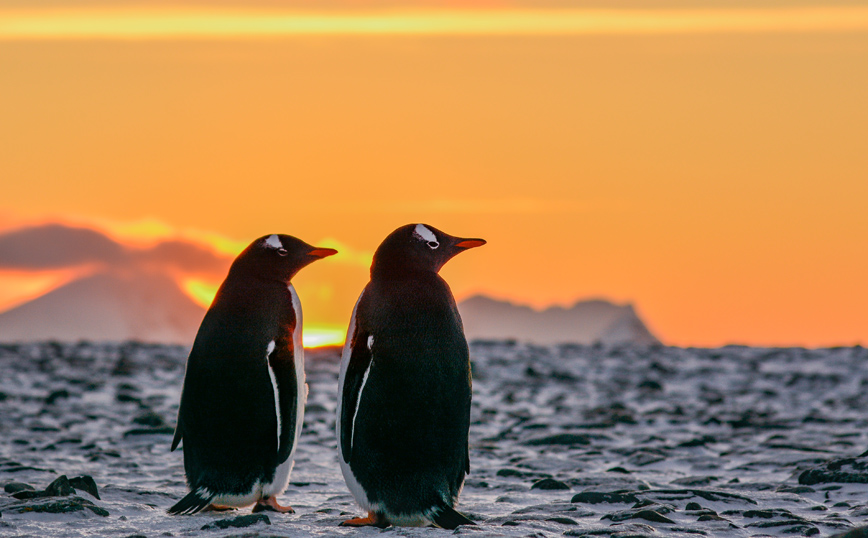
column 403, row 410
column 242, row 405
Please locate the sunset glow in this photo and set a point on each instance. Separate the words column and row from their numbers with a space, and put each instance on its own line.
column 200, row 291
column 155, row 23
column 707, row 165
column 17, row 287
column 321, row 335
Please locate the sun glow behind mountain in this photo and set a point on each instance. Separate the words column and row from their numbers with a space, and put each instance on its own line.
column 315, row 335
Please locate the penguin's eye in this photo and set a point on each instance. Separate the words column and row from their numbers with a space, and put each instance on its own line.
column 282, row 251
column 433, row 244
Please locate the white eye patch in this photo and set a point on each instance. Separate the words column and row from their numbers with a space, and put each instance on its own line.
column 273, row 242
column 423, row 233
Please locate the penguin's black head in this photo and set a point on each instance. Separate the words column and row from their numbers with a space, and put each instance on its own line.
column 277, row 257
column 418, row 247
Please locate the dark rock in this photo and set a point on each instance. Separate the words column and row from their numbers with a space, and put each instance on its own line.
column 699, row 441
column 563, row 520
column 62, row 506
column 126, row 397
column 240, row 521
column 648, row 515
column 693, row 506
column 618, row 470
column 650, row 385
column 15, row 487
column 507, row 472
column 767, row 514
column 549, row 483
column 60, row 487
column 29, row 494
column 772, row 524
column 708, row 495
column 85, row 483
column 795, row 489
column 648, row 502
column 568, row 439
column 844, row 470
column 56, row 395
column 617, row 413
column 711, row 517
column 594, row 497
column 705, row 512
column 150, row 419
column 786, row 517
column 651, row 515
column 642, row 458
column 695, row 481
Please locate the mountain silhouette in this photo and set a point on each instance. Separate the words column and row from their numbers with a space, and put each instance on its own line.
column 109, row 306
column 586, row 322
column 149, row 306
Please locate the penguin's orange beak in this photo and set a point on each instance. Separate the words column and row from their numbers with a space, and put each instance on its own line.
column 470, row 243
column 321, row 253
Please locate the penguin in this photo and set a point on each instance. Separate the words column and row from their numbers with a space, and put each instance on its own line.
column 403, row 412
column 242, row 404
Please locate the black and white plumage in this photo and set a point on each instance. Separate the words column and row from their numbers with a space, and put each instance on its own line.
column 404, row 393
column 242, row 405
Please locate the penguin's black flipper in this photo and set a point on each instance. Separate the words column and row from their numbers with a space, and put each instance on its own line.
column 447, row 518
column 359, row 363
column 194, row 502
column 178, row 436
column 282, row 364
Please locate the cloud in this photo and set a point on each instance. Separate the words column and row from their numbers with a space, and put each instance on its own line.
column 57, row 246
column 184, row 257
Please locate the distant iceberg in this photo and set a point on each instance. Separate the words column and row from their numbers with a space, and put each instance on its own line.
column 586, row 322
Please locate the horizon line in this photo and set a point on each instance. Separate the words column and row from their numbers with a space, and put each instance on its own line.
column 192, row 23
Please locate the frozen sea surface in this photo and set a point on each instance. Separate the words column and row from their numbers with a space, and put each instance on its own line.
column 674, row 442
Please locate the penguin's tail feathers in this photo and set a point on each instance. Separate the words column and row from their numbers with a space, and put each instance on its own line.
column 193, row 502
column 446, row 517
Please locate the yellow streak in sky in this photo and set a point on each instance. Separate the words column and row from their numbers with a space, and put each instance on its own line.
column 191, row 23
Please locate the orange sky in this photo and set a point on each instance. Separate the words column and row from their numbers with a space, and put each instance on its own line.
column 716, row 177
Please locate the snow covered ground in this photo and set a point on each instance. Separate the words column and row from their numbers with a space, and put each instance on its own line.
column 567, row 440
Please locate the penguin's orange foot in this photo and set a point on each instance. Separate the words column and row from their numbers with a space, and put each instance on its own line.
column 270, row 505
column 373, row 520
